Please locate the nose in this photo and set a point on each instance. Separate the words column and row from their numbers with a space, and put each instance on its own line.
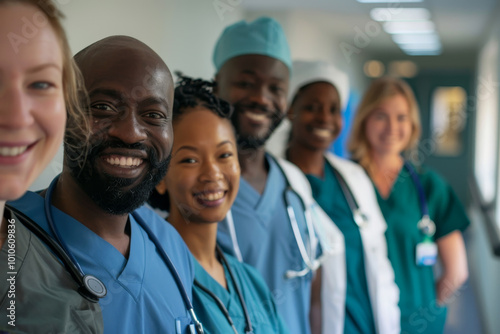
column 128, row 128
column 262, row 97
column 324, row 114
column 392, row 124
column 15, row 108
column 210, row 172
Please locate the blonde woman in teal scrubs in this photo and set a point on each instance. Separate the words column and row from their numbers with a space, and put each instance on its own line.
column 423, row 214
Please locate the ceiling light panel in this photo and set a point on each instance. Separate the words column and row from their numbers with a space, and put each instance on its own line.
column 409, row 27
column 415, row 38
column 400, row 14
column 389, row 1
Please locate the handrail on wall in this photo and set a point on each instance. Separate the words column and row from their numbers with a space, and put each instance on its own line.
column 488, row 212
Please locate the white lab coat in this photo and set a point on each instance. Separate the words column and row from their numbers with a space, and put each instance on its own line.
column 383, row 291
column 329, row 236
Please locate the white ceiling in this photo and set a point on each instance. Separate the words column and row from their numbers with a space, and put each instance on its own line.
column 460, row 24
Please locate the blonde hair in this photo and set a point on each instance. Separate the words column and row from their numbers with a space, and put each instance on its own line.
column 378, row 91
column 77, row 124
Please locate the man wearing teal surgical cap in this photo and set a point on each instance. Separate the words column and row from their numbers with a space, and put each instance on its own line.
column 253, row 66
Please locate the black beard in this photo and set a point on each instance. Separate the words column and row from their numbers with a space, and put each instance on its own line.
column 252, row 142
column 106, row 190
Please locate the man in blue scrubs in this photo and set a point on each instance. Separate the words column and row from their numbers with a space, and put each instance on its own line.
column 96, row 202
column 253, row 65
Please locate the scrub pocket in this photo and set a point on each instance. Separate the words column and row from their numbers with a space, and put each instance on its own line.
column 184, row 325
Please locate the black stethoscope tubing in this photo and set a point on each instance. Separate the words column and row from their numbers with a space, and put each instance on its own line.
column 142, row 223
column 220, row 304
column 359, row 217
column 74, row 272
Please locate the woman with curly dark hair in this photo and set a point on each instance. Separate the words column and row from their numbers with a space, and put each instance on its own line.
column 198, row 191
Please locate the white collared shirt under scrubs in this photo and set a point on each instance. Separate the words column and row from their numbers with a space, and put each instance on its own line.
column 267, row 242
column 142, row 295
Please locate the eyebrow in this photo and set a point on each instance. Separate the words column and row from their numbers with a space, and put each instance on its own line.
column 155, row 100
column 187, row 147
column 108, row 92
column 252, row 72
column 225, row 142
column 195, row 149
column 42, row 67
column 120, row 96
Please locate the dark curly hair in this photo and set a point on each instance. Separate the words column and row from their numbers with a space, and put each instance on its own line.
column 191, row 93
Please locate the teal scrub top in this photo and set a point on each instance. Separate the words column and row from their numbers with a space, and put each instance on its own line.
column 258, row 299
column 328, row 193
column 419, row 310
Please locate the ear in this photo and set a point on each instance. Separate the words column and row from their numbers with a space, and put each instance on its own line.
column 161, row 187
column 289, row 114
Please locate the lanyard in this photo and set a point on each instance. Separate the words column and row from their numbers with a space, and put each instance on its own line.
column 95, row 285
column 425, row 224
column 220, row 304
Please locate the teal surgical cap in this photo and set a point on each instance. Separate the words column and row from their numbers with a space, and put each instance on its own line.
column 263, row 36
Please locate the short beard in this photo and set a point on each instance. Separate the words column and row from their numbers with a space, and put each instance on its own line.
column 252, row 142
column 107, row 191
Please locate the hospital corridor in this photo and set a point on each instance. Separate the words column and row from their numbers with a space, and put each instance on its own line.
column 250, row 166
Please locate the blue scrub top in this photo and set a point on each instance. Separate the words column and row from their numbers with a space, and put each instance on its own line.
column 267, row 243
column 142, row 294
column 258, row 299
column 328, row 193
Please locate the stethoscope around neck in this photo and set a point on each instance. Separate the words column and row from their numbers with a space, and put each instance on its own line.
column 358, row 216
column 90, row 286
column 220, row 304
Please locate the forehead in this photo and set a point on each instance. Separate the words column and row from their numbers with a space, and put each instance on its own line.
column 396, row 103
column 131, row 72
column 319, row 89
column 258, row 65
column 18, row 49
column 201, row 125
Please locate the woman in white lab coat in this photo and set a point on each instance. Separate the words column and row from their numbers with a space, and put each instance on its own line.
column 357, row 289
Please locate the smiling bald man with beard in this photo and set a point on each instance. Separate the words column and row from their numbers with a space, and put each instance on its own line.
column 96, row 203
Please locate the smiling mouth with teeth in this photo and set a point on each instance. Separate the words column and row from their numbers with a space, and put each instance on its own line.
column 211, row 196
column 256, row 117
column 12, row 151
column 323, row 133
column 124, row 161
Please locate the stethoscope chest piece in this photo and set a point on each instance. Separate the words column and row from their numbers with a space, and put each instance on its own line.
column 94, row 285
column 360, row 218
column 92, row 288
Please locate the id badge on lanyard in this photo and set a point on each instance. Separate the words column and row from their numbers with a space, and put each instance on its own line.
column 426, row 253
